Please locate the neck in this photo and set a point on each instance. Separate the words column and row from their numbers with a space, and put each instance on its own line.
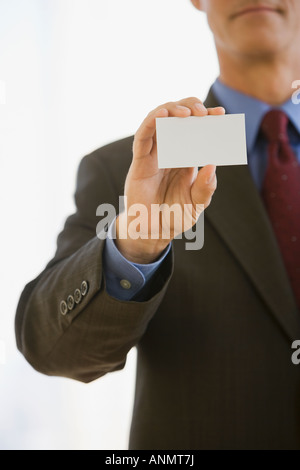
column 268, row 80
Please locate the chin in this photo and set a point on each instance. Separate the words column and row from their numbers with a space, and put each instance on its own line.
column 262, row 45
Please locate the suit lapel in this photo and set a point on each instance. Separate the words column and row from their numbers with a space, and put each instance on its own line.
column 238, row 215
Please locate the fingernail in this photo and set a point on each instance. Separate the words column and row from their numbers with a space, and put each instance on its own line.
column 211, row 177
column 200, row 107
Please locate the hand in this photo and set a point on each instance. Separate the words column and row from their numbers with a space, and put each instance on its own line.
column 146, row 185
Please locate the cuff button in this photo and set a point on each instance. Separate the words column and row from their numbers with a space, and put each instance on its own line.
column 84, row 288
column 77, row 296
column 70, row 302
column 63, row 308
column 125, row 284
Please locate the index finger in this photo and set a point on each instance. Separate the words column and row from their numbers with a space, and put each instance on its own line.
column 148, row 126
column 144, row 137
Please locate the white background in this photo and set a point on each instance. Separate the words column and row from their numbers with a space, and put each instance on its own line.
column 77, row 74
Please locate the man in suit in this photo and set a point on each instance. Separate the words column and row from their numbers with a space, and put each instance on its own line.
column 214, row 327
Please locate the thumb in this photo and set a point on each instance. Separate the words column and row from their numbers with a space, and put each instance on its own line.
column 204, row 186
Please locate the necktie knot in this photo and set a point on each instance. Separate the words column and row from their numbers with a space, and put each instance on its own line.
column 274, row 126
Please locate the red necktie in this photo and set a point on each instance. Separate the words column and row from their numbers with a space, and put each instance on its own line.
column 281, row 193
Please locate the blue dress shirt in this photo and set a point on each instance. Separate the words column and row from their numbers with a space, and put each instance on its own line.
column 125, row 279
column 235, row 103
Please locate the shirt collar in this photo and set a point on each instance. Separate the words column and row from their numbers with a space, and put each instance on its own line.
column 236, row 102
column 293, row 112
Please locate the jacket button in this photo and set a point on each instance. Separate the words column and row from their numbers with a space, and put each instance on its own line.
column 70, row 302
column 63, row 308
column 84, row 288
column 77, row 296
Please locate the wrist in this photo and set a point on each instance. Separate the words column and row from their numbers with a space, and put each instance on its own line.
column 140, row 251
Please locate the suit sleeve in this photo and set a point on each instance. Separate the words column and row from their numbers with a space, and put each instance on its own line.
column 95, row 335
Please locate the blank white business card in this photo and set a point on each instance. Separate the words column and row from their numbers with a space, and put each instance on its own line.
column 198, row 141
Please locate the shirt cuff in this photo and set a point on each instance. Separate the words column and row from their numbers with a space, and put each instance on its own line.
column 125, row 279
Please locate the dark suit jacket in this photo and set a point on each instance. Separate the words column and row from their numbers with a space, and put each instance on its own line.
column 213, row 336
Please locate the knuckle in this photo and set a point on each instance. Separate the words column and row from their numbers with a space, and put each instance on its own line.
column 169, row 104
column 189, row 102
column 165, row 105
column 194, row 99
column 151, row 113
